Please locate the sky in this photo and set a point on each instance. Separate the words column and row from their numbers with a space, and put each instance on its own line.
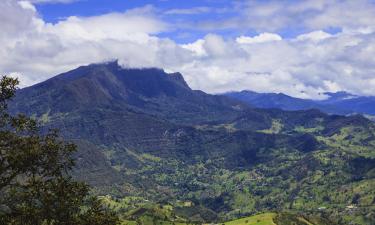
column 301, row 48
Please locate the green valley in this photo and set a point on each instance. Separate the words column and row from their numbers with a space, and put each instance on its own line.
column 162, row 153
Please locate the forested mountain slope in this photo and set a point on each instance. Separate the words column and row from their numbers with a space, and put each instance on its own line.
column 145, row 137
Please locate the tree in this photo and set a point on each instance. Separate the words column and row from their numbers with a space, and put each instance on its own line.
column 35, row 184
column 356, row 198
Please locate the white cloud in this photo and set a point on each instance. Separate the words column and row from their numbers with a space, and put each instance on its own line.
column 196, row 47
column 304, row 66
column 299, row 68
column 52, row 1
column 275, row 15
column 118, row 26
column 27, row 5
column 314, row 36
column 37, row 50
column 344, row 14
column 263, row 37
column 215, row 46
column 189, row 11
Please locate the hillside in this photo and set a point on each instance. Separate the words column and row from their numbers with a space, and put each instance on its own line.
column 145, row 137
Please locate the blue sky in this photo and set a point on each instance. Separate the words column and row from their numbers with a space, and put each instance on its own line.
column 54, row 12
column 299, row 47
column 172, row 11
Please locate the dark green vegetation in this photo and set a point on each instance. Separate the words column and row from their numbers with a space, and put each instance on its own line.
column 35, row 188
column 147, row 139
column 341, row 103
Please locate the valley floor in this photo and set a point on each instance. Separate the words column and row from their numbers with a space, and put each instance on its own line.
column 260, row 219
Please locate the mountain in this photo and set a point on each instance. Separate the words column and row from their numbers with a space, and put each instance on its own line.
column 122, row 111
column 272, row 100
column 145, row 137
column 341, row 103
column 352, row 103
column 109, row 86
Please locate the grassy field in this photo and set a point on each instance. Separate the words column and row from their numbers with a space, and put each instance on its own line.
column 282, row 218
column 261, row 219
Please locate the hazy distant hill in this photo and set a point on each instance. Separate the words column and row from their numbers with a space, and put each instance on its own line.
column 341, row 103
column 145, row 133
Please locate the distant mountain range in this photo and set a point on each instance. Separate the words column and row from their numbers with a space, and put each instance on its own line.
column 341, row 103
column 146, row 137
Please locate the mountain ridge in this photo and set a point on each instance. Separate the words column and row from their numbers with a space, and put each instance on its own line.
column 341, row 103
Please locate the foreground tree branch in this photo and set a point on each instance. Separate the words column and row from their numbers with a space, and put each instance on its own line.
column 35, row 184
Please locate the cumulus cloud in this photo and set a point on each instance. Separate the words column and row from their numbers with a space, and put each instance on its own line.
column 196, row 47
column 305, row 66
column 118, row 26
column 263, row 37
column 302, row 66
column 274, row 15
column 37, row 50
column 314, row 36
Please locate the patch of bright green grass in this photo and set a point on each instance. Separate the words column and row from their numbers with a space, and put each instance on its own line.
column 275, row 128
column 261, row 219
column 151, row 157
column 45, row 118
column 302, row 129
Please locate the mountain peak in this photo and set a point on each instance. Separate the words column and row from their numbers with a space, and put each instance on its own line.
column 105, row 84
column 147, row 74
column 113, row 70
column 179, row 79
